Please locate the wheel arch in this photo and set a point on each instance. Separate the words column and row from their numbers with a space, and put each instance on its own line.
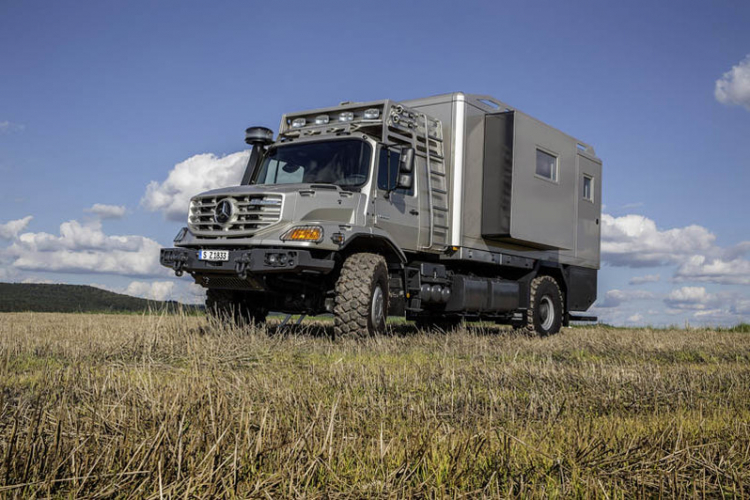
column 556, row 271
column 372, row 243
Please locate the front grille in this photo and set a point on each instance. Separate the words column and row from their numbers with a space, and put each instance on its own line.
column 250, row 213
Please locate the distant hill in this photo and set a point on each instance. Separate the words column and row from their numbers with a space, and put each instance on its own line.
column 18, row 297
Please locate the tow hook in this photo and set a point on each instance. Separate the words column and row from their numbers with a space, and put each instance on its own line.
column 179, row 264
column 241, row 265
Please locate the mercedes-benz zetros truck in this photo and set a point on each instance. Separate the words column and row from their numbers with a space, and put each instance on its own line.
column 437, row 209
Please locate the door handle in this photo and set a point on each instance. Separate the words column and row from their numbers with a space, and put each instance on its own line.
column 414, row 212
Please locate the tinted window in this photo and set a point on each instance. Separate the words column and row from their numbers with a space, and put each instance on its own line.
column 546, row 165
column 344, row 163
column 388, row 168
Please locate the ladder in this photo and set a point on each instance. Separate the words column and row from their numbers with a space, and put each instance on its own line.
column 425, row 134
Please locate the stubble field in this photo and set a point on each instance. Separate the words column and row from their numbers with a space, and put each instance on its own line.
column 171, row 406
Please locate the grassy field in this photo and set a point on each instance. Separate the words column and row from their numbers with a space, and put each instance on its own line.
column 151, row 406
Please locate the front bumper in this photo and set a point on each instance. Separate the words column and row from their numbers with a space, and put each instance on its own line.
column 244, row 262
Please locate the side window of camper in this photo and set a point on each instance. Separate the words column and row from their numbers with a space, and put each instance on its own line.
column 546, row 165
column 388, row 171
column 588, row 188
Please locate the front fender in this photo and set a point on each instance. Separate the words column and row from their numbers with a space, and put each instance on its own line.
column 374, row 240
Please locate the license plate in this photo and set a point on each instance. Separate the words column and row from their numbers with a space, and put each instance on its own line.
column 214, row 255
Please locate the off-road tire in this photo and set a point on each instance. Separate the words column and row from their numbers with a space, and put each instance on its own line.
column 545, row 299
column 234, row 307
column 361, row 275
column 443, row 324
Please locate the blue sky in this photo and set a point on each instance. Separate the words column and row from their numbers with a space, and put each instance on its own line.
column 100, row 99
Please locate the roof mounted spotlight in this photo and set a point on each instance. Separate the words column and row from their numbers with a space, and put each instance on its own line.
column 259, row 136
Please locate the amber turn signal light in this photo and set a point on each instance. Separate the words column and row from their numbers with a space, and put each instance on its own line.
column 304, row 233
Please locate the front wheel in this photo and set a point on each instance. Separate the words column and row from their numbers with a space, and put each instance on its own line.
column 361, row 296
column 545, row 314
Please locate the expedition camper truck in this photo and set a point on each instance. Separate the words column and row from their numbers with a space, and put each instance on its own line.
column 437, row 209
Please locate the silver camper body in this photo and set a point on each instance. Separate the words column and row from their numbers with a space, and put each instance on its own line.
column 498, row 202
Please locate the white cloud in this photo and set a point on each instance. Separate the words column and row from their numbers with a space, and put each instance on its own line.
column 704, row 307
column 635, row 318
column 736, row 251
column 704, row 269
column 741, row 306
column 10, row 229
column 107, row 211
column 196, row 174
column 155, row 290
column 691, row 298
column 39, row 281
column 734, row 86
column 180, row 291
column 648, row 278
column 7, row 274
column 85, row 248
column 635, row 241
column 7, row 127
column 615, row 298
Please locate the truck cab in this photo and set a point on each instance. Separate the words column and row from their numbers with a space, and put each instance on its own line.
column 361, row 210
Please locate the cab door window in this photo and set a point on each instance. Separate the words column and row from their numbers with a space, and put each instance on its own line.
column 388, row 172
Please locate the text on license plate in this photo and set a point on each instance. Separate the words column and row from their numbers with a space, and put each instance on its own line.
column 214, row 255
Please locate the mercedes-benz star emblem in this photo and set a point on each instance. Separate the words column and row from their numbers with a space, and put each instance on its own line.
column 223, row 212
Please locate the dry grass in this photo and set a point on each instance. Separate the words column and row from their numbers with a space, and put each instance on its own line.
column 150, row 406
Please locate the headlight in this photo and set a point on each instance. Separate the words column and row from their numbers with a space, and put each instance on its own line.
column 304, row 233
column 181, row 235
column 346, row 116
column 372, row 114
column 321, row 119
column 298, row 122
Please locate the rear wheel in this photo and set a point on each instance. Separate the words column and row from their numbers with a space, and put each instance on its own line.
column 545, row 314
column 234, row 307
column 361, row 296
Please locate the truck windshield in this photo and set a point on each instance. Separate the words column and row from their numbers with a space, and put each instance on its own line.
column 342, row 162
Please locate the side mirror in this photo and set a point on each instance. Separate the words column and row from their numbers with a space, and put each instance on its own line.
column 406, row 163
column 404, row 181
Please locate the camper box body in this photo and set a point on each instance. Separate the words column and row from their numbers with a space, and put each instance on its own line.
column 498, row 202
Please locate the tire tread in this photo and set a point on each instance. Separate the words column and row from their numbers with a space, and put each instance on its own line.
column 352, row 307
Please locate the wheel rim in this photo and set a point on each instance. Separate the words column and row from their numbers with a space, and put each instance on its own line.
column 546, row 312
column 377, row 306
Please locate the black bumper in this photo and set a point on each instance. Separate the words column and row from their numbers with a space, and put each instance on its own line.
column 244, row 262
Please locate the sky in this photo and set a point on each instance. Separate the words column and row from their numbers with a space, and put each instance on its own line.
column 112, row 114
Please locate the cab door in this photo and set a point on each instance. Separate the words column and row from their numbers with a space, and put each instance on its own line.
column 397, row 210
